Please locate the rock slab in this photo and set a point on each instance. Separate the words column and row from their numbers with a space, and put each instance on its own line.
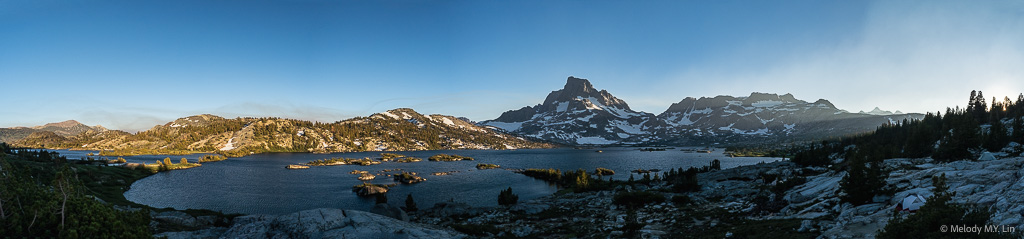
column 329, row 223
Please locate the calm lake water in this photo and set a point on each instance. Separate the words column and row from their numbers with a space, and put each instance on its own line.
column 260, row 184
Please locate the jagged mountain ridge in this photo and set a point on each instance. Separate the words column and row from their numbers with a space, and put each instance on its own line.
column 878, row 111
column 579, row 114
column 393, row 130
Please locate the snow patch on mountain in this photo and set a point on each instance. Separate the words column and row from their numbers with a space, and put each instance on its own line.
column 594, row 140
column 562, row 106
column 627, row 127
column 389, row 114
column 447, row 121
column 506, row 126
column 766, row 103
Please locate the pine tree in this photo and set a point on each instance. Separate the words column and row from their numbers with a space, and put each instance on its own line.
column 506, row 197
column 864, row 178
column 980, row 107
column 997, row 137
column 960, row 137
column 410, row 204
column 582, row 181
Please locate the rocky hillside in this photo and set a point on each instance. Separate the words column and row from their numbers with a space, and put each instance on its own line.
column 14, row 134
column 394, row 130
column 64, row 129
column 991, row 183
column 69, row 128
column 580, row 114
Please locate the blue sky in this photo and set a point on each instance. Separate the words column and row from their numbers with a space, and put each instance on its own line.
column 134, row 64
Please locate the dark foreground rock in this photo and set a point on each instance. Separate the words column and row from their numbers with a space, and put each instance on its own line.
column 369, row 189
column 319, row 223
column 390, row 211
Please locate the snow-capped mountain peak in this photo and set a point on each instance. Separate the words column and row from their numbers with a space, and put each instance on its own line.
column 577, row 114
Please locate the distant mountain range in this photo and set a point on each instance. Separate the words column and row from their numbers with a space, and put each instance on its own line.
column 878, row 111
column 393, row 130
column 577, row 114
column 65, row 129
column 580, row 114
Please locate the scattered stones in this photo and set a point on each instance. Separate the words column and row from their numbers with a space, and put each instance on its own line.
column 444, row 173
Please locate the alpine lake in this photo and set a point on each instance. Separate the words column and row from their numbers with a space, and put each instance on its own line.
column 260, row 184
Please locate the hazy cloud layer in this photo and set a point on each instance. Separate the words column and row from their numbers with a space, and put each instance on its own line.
column 909, row 56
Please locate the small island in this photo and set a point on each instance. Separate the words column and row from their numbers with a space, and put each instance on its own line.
column 296, row 166
column 343, row 161
column 449, row 157
column 603, row 172
column 366, row 177
column 482, row 166
column 390, row 156
column 367, row 189
column 166, row 165
column 408, row 178
column 408, row 160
